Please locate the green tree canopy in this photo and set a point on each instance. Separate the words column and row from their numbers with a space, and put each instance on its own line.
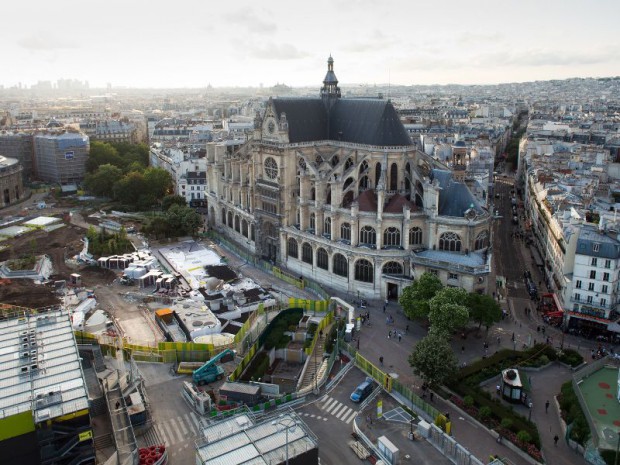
column 448, row 317
column 171, row 200
column 433, row 359
column 102, row 153
column 158, row 183
column 448, row 295
column 415, row 298
column 483, row 309
column 129, row 188
column 101, row 182
column 183, row 220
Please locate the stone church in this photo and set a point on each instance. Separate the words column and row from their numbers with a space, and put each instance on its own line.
column 332, row 189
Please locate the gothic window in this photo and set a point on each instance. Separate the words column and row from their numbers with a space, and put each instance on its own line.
column 312, row 194
column 391, row 237
column 345, row 231
column 415, row 236
column 482, row 240
column 223, row 216
column 306, row 253
column 347, row 183
column 327, row 227
column 450, row 241
column 364, row 271
column 321, row 258
column 230, row 219
column 363, row 166
column 302, row 164
column 292, row 248
column 363, row 184
column 237, row 224
column 341, row 266
column 328, row 196
column 244, row 228
column 335, row 160
column 393, row 268
column 348, row 164
column 312, row 222
column 368, row 236
column 394, row 177
column 377, row 173
column 271, row 168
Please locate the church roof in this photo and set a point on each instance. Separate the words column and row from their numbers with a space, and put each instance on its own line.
column 454, row 197
column 360, row 121
column 367, row 201
column 396, row 203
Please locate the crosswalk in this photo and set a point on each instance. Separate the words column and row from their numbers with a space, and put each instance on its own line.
column 180, row 429
column 336, row 409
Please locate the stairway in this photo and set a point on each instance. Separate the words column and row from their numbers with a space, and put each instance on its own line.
column 314, row 362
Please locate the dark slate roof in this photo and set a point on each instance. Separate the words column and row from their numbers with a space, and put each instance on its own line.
column 223, row 272
column 454, row 197
column 360, row 121
column 608, row 247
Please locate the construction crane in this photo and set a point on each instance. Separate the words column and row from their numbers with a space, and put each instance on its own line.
column 210, row 371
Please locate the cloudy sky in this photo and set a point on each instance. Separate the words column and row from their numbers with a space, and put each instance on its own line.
column 191, row 43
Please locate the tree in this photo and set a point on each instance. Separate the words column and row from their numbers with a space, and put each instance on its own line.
column 171, row 200
column 415, row 298
column 101, row 182
column 158, row 183
column 483, row 309
column 448, row 317
column 129, row 188
column 102, row 153
column 183, row 220
column 433, row 359
column 448, row 295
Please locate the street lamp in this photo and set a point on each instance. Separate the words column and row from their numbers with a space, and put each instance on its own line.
column 287, row 423
column 529, row 418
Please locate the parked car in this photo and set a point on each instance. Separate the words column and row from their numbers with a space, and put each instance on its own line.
column 362, row 391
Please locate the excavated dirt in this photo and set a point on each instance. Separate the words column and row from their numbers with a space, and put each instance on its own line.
column 58, row 244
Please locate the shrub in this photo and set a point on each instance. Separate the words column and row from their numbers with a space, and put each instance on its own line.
column 524, row 437
column 485, row 412
column 570, row 357
column 468, row 401
column 506, row 423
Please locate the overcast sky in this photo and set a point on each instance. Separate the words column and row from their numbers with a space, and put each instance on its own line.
column 191, row 43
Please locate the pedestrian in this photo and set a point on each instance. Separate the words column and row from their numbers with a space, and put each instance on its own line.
column 432, row 396
column 556, row 439
column 498, row 340
column 381, row 360
column 406, row 329
column 399, row 336
column 463, row 349
column 390, row 334
column 546, row 406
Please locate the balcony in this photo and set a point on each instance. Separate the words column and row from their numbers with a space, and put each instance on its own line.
column 592, row 305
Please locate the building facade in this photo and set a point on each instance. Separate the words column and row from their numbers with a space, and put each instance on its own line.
column 333, row 189
column 11, row 181
column 61, row 157
column 19, row 145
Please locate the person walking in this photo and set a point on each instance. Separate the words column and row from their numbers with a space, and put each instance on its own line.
column 547, row 407
column 381, row 360
column 399, row 336
column 555, row 440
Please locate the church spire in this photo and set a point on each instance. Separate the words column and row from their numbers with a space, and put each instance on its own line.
column 330, row 90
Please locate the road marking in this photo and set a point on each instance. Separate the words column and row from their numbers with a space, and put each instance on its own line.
column 343, row 413
column 174, row 429
column 351, row 417
column 324, row 419
column 195, row 420
column 335, row 404
column 339, row 409
column 185, row 420
column 163, row 435
column 328, row 403
column 312, row 416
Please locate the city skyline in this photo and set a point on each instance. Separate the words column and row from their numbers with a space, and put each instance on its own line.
column 190, row 44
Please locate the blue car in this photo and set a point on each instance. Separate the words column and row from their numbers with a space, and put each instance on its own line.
column 362, row 391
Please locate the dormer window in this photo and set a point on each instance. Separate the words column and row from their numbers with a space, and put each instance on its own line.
column 595, row 247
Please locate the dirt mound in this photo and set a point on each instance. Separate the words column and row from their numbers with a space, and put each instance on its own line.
column 24, row 293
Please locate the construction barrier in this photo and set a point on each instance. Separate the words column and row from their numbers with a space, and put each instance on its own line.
column 315, row 306
column 248, row 323
column 322, row 324
column 245, row 361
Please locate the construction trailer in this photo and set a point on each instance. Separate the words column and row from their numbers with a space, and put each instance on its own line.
column 211, row 371
column 198, row 400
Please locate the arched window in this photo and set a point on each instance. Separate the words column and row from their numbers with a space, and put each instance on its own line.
column 322, row 258
column 345, row 232
column 306, row 253
column 244, row 228
column 482, row 240
column 312, row 222
column 364, row 271
column 368, row 236
column 312, row 194
column 393, row 268
column 394, row 177
column 292, row 248
column 415, row 236
column 335, row 160
column 230, row 219
column 341, row 266
column 328, row 196
column 377, row 173
column 363, row 184
column 224, row 216
column 450, row 241
column 252, row 233
column 297, row 218
column 327, row 227
column 348, row 164
column 347, row 183
column 391, row 237
column 237, row 223
column 363, row 166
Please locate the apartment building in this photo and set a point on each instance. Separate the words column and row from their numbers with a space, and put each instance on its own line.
column 60, row 157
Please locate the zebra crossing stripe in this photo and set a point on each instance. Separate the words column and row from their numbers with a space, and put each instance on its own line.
column 173, row 428
column 351, row 417
column 343, row 413
column 335, row 404
column 340, row 408
column 195, row 421
column 184, row 430
column 162, row 433
column 326, row 404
